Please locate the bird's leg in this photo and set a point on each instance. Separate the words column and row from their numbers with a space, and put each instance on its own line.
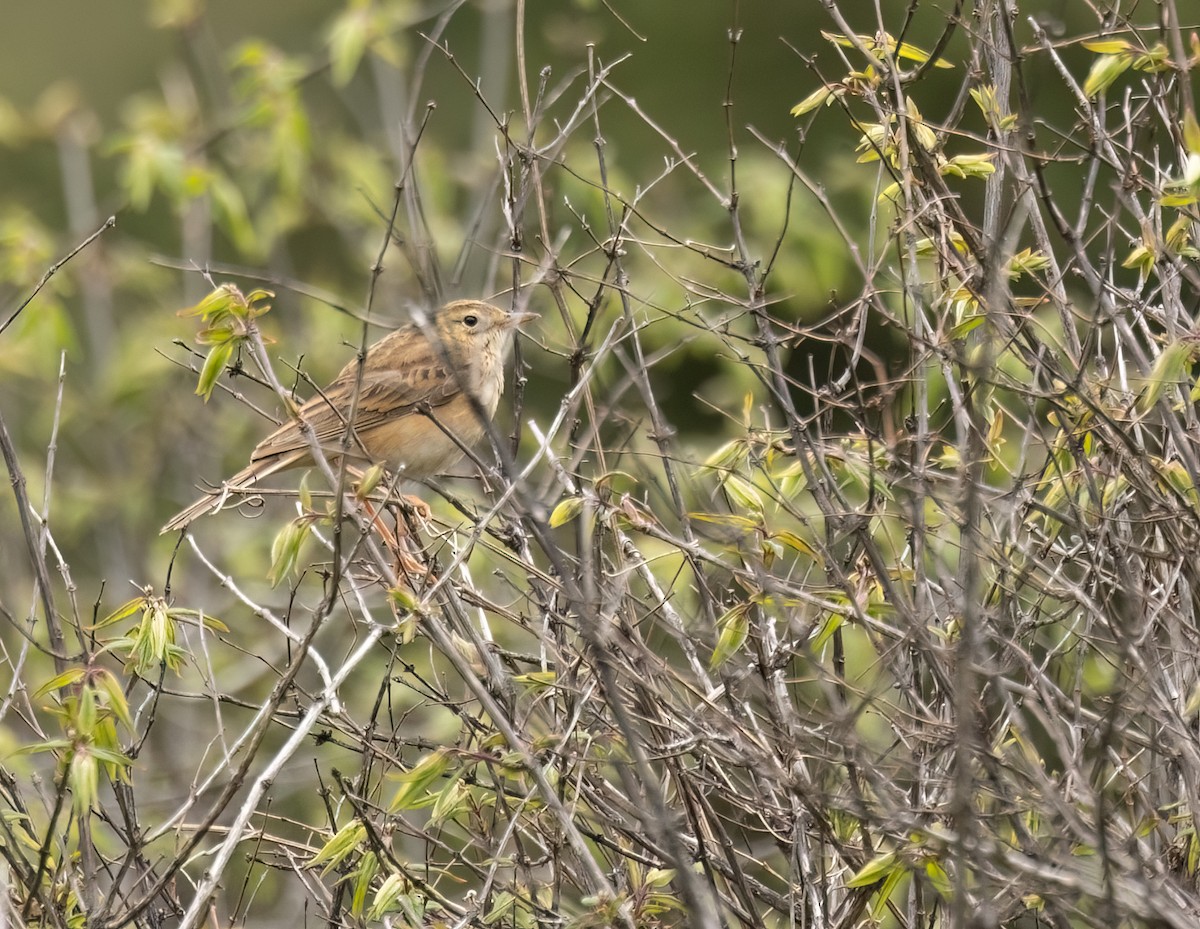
column 408, row 568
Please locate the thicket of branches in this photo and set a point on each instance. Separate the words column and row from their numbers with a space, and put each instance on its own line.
column 904, row 633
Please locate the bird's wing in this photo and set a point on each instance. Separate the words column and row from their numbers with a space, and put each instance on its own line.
column 400, row 374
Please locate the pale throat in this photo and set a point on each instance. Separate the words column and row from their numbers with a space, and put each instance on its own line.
column 489, row 376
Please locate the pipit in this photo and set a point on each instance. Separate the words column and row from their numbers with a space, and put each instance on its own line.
column 413, row 413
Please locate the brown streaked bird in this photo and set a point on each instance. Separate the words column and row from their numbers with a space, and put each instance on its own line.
column 414, row 390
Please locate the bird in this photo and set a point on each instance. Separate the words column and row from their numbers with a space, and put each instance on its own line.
column 414, row 411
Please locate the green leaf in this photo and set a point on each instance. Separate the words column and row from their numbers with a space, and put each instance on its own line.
column 1171, row 367
column 1155, row 58
column 214, row 365
column 566, row 510
column 833, row 622
column 1105, row 70
column 727, row 519
column 47, row 745
column 659, row 877
column 1192, row 707
column 989, row 105
column 912, row 53
column 450, row 801
column 939, row 878
column 728, row 456
column 404, row 599
column 537, row 681
column 732, row 628
column 1191, row 133
column 743, row 495
column 126, row 609
column 822, row 95
column 59, row 681
column 1178, row 478
column 797, row 544
column 345, row 841
column 968, row 324
column 1108, row 46
column 367, row 868
column 883, row 895
column 362, row 490
column 503, row 905
column 1179, row 237
column 414, row 784
column 925, row 136
column 285, row 551
column 388, row 896
column 1142, row 258
column 1179, row 198
column 83, row 777
column 229, row 208
column 110, row 757
column 1027, row 261
column 874, row 870
column 977, row 165
column 107, row 683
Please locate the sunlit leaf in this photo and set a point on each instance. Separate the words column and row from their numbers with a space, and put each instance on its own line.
column 566, row 510
column 1105, row 70
column 822, row 95
column 1108, row 46
column 912, row 53
column 977, row 165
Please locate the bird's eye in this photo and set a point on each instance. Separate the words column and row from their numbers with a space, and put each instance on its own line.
column 471, row 321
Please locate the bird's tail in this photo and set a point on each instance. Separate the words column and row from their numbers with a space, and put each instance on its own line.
column 241, row 483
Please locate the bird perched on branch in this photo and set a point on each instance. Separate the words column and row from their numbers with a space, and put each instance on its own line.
column 414, row 413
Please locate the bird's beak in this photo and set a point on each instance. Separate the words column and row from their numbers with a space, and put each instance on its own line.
column 516, row 320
